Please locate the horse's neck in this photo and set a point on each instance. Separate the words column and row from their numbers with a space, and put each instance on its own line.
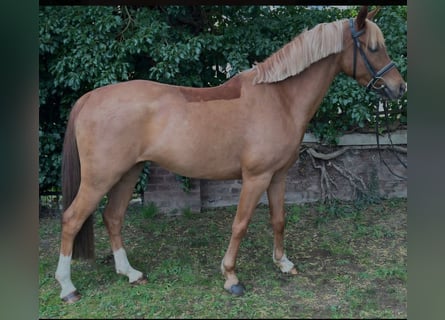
column 304, row 92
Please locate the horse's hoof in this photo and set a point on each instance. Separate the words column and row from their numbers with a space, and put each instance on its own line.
column 293, row 271
column 141, row 280
column 72, row 297
column 237, row 289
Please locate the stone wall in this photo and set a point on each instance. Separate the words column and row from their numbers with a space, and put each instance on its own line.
column 360, row 165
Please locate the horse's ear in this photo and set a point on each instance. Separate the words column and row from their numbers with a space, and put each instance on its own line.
column 372, row 13
column 361, row 17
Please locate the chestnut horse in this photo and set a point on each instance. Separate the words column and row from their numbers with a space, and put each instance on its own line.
column 248, row 128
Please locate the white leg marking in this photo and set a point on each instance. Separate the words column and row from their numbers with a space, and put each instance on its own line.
column 123, row 266
column 284, row 264
column 63, row 275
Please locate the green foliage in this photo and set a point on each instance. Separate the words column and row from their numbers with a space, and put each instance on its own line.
column 150, row 210
column 85, row 47
column 50, row 159
column 141, row 185
column 293, row 215
column 186, row 183
column 188, row 213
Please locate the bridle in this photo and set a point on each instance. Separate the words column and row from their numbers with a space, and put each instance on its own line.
column 376, row 76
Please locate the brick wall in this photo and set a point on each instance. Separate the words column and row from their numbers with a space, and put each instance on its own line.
column 166, row 192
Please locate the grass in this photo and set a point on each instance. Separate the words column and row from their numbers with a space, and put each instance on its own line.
column 352, row 260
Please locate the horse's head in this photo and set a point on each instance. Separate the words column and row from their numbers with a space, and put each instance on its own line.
column 365, row 57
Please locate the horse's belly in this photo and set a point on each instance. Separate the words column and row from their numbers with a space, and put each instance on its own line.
column 200, row 162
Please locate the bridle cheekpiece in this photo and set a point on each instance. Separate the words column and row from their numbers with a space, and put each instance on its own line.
column 376, row 76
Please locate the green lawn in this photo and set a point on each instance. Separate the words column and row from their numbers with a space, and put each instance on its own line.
column 351, row 257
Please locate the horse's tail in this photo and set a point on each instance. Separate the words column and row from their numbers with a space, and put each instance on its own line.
column 83, row 246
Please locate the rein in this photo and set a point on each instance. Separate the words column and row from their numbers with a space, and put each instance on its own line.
column 385, row 108
column 376, row 76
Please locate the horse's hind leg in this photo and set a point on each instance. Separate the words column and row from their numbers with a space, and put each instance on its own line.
column 114, row 213
column 94, row 185
column 275, row 194
column 73, row 218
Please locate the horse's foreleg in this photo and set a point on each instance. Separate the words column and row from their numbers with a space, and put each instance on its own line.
column 72, row 220
column 251, row 192
column 275, row 194
column 113, row 215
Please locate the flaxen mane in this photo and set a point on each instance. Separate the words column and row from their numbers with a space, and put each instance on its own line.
column 309, row 47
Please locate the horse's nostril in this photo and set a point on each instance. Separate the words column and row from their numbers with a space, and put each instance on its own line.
column 403, row 88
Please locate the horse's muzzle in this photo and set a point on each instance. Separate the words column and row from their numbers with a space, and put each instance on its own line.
column 392, row 93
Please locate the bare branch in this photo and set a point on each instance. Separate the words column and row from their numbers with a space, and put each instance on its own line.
column 328, row 156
